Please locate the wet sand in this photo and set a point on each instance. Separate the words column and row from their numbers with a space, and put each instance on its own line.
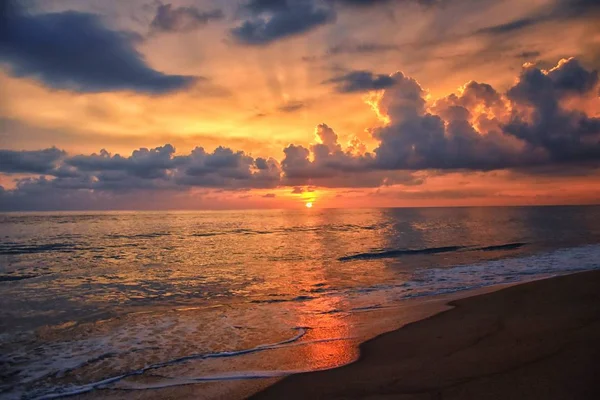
column 539, row 340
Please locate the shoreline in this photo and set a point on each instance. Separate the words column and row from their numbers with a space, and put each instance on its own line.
column 309, row 384
column 536, row 339
column 409, row 311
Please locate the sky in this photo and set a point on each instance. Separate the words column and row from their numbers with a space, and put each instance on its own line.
column 214, row 104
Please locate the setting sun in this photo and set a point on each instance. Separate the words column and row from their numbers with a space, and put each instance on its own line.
column 161, row 160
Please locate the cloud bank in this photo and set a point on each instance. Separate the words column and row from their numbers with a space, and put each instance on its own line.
column 477, row 129
column 532, row 126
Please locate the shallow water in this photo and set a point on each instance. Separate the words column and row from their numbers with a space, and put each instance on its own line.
column 138, row 301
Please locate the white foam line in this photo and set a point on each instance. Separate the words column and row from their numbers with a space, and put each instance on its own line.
column 91, row 386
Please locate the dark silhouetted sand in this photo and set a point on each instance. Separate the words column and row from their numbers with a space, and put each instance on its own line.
column 539, row 340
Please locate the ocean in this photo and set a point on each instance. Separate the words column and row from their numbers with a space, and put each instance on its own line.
column 128, row 302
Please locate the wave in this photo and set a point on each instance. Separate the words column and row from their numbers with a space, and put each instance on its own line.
column 367, row 308
column 15, row 248
column 508, row 246
column 297, row 298
column 182, row 381
column 246, row 231
column 428, row 250
column 402, row 252
column 72, row 391
column 292, row 229
column 10, row 278
column 427, row 282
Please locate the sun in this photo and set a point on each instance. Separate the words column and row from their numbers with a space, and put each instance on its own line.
column 309, row 205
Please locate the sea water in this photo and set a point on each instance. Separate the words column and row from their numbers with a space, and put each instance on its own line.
column 141, row 301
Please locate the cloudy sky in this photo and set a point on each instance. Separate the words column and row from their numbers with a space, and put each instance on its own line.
column 203, row 104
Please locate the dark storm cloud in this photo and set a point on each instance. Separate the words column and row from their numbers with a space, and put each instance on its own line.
column 566, row 135
column 46, row 194
column 271, row 20
column 535, row 130
column 331, row 166
column 75, row 51
column 43, row 194
column 143, row 163
column 479, row 129
column 328, row 159
column 37, row 161
column 182, row 19
column 361, row 81
column 418, row 139
column 146, row 169
column 570, row 77
column 225, row 168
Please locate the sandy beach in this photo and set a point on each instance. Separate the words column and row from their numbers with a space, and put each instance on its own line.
column 537, row 340
column 533, row 341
